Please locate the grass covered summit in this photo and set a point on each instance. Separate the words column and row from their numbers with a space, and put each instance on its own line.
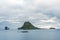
column 28, row 25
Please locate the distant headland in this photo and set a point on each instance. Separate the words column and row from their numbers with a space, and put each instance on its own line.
column 52, row 28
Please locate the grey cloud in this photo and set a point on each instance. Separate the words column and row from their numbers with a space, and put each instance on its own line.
column 28, row 10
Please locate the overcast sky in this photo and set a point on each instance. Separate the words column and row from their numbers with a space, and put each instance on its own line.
column 41, row 13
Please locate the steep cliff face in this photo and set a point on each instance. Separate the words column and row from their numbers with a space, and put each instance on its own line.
column 28, row 25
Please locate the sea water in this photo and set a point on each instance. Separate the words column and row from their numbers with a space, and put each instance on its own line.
column 48, row 34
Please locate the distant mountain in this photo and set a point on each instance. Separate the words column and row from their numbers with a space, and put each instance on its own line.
column 28, row 25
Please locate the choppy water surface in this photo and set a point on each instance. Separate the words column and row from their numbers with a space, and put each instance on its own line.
column 30, row 35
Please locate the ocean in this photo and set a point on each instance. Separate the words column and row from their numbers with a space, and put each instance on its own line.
column 43, row 34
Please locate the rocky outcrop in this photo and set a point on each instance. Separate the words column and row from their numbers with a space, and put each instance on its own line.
column 52, row 28
column 6, row 28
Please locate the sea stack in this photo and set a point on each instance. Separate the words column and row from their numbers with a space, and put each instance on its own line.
column 27, row 26
column 6, row 28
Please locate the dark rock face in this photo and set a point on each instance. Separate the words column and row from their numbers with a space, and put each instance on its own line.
column 6, row 28
column 28, row 25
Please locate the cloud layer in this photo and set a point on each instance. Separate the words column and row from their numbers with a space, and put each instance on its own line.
column 41, row 13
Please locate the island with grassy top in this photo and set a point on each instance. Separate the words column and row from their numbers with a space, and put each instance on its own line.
column 27, row 26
